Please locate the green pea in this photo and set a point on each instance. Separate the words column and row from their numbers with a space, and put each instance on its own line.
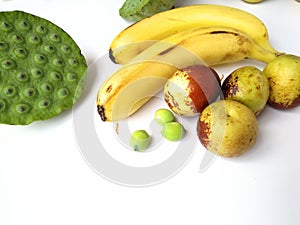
column 173, row 131
column 163, row 116
column 140, row 140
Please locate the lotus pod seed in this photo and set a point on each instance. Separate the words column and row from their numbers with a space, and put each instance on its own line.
column 3, row 46
column 63, row 92
column 54, row 37
column 2, row 105
column 16, row 39
column 5, row 26
column 20, row 52
column 24, row 25
column 55, row 76
column 71, row 77
column 46, row 87
column 37, row 73
column 22, row 76
column 44, row 103
column 72, row 62
column 34, row 39
column 49, row 48
column 9, row 91
column 22, row 108
column 41, row 29
column 57, row 62
column 7, row 64
column 40, row 58
column 66, row 49
column 29, row 92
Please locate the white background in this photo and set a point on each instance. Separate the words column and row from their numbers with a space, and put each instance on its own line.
column 45, row 180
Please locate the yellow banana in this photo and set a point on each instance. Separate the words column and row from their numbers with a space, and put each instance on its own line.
column 129, row 42
column 126, row 90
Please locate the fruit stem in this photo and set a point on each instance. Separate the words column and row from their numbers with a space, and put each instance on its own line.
column 264, row 55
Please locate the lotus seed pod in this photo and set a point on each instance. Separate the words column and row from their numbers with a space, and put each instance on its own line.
column 42, row 70
column 132, row 10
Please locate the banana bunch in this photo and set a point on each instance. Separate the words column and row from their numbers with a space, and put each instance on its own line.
column 152, row 49
column 130, row 42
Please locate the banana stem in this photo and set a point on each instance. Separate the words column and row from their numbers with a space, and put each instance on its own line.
column 264, row 55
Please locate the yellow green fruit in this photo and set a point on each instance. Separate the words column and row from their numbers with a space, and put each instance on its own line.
column 283, row 74
column 249, row 86
column 227, row 128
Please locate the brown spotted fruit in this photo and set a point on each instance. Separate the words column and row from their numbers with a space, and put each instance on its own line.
column 283, row 74
column 191, row 89
column 227, row 128
column 249, row 86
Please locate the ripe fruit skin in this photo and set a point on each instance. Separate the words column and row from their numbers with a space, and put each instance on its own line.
column 124, row 47
column 249, row 86
column 227, row 128
column 283, row 74
column 191, row 89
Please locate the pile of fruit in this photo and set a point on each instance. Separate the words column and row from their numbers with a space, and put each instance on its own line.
column 176, row 50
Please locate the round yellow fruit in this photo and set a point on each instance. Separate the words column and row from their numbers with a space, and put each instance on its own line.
column 283, row 74
column 227, row 128
column 249, row 86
